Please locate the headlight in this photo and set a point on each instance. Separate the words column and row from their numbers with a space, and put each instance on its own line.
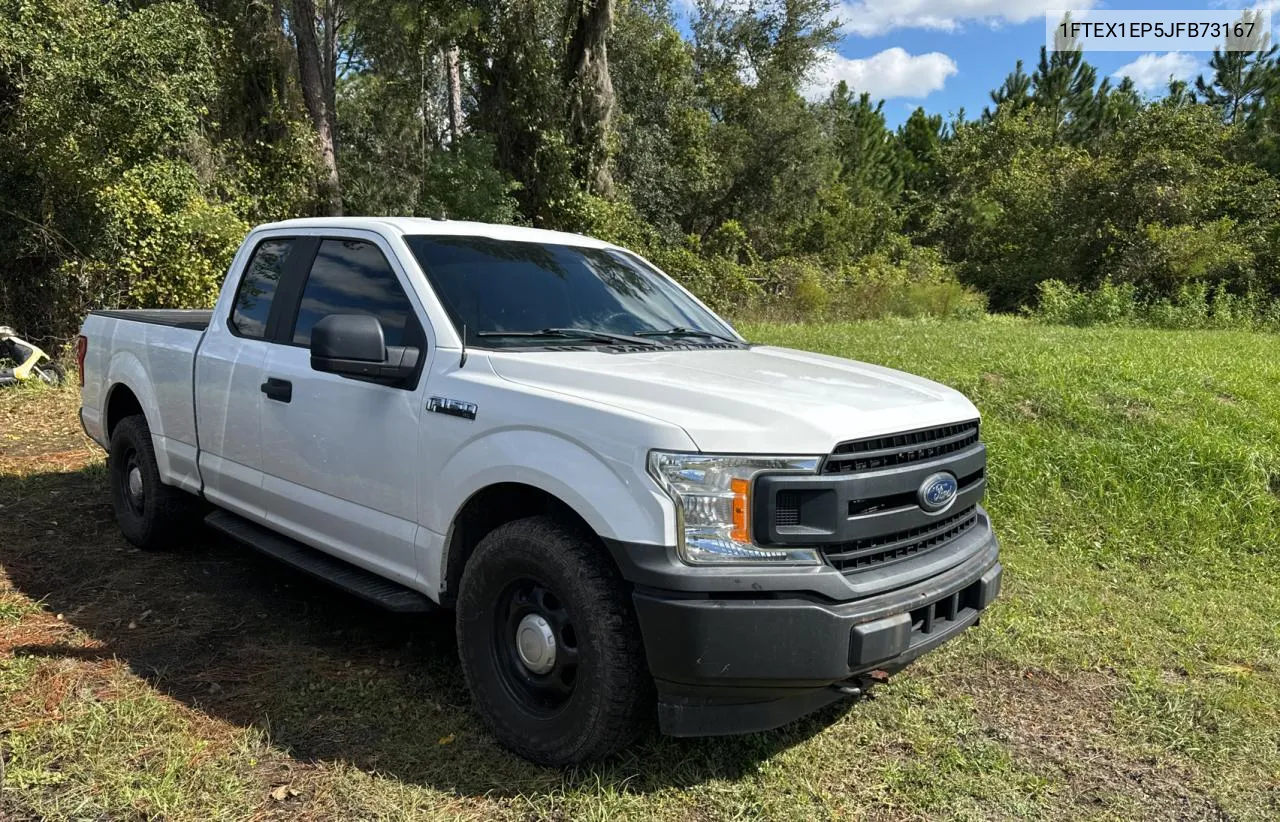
column 712, row 494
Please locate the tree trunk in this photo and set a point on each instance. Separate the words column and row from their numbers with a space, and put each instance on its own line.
column 591, row 98
column 453, row 66
column 318, row 95
column 284, row 60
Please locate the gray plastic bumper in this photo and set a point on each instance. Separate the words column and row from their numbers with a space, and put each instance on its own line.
column 740, row 663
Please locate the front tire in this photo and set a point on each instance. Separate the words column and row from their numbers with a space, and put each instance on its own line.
column 150, row 514
column 549, row 644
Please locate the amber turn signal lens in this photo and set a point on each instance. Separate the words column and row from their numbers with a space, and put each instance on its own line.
column 741, row 494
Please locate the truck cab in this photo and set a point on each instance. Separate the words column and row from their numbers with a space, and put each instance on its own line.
column 632, row 511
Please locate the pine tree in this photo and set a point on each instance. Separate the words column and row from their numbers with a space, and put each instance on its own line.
column 868, row 155
column 1063, row 86
column 920, row 141
column 1012, row 96
column 1243, row 76
column 1179, row 94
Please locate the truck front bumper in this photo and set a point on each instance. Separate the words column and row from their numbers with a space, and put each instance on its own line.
column 745, row 662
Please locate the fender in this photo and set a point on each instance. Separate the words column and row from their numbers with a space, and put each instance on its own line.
column 175, row 459
column 581, row 479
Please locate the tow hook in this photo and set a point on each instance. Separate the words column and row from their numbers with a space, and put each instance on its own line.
column 860, row 685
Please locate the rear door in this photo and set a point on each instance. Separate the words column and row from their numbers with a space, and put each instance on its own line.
column 228, row 378
column 340, row 468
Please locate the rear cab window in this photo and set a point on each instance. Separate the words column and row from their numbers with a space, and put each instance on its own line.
column 257, row 288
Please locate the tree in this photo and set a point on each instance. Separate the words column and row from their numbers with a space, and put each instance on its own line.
column 1063, row 88
column 591, row 99
column 111, row 178
column 1179, row 94
column 316, row 36
column 664, row 160
column 453, row 67
column 1243, row 76
column 1012, row 96
column 868, row 155
column 772, row 159
column 920, row 141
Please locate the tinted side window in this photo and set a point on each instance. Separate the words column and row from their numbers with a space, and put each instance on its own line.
column 352, row 277
column 258, row 287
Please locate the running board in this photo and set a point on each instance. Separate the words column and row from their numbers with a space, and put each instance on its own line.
column 352, row 579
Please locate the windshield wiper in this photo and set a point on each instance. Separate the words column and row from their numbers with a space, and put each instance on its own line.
column 681, row 331
column 579, row 333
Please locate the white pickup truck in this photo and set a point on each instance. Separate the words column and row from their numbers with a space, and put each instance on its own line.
column 631, row 509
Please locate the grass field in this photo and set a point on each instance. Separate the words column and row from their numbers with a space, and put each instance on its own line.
column 1131, row 669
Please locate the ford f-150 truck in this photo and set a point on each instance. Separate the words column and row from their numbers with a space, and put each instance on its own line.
column 631, row 509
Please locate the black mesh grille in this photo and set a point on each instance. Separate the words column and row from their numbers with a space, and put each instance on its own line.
column 859, row 554
column 787, row 509
column 900, row 449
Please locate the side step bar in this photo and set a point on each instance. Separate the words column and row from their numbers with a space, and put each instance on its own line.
column 354, row 580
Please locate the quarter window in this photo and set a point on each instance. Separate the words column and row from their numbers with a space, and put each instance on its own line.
column 258, row 287
column 353, row 277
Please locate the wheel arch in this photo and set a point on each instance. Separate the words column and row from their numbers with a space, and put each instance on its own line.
column 121, row 402
column 132, row 391
column 529, row 471
column 496, row 505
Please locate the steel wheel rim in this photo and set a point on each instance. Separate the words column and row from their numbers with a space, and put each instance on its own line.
column 542, row 673
column 132, row 484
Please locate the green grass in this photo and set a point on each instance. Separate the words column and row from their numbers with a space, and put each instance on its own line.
column 1131, row 668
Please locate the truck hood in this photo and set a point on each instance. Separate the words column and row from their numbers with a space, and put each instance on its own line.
column 759, row 400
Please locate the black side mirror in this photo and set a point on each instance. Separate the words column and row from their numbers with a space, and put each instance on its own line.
column 352, row 345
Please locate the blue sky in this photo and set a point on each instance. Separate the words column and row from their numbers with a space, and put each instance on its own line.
column 948, row 54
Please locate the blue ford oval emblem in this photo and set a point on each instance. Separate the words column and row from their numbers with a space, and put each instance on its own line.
column 937, row 491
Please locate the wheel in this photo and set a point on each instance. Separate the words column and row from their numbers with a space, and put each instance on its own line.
column 151, row 514
column 549, row 644
column 50, row 373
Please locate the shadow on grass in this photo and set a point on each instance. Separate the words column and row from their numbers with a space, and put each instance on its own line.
column 241, row 638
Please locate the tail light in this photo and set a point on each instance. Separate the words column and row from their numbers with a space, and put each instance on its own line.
column 82, row 347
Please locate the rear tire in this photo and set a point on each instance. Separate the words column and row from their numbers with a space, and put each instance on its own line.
column 549, row 644
column 151, row 514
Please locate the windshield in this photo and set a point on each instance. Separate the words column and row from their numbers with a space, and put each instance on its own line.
column 520, row 294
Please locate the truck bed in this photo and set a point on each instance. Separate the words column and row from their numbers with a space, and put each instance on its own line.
column 194, row 319
column 151, row 353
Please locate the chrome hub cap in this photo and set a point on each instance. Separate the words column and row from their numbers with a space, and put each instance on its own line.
column 536, row 644
column 135, row 485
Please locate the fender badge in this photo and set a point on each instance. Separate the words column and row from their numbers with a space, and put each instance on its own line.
column 454, row 408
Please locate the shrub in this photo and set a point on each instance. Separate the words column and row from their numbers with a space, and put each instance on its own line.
column 115, row 190
column 1197, row 305
column 1109, row 304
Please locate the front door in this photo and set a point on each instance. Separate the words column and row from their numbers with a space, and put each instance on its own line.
column 340, row 467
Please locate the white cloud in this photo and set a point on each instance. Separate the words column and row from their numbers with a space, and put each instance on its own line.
column 891, row 73
column 1151, row 72
column 1265, row 5
column 872, row 17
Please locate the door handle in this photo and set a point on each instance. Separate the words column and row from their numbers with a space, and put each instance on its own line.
column 279, row 390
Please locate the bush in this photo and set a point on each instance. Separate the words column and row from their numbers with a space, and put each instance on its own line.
column 900, row 281
column 1164, row 202
column 115, row 192
column 1109, row 304
column 1197, row 305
